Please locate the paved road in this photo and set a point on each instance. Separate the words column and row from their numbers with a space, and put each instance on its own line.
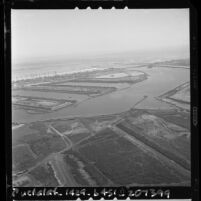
column 62, row 171
column 65, row 138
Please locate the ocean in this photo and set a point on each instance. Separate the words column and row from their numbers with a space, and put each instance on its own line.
column 39, row 67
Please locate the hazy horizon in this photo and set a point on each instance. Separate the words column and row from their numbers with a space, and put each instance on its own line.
column 135, row 56
column 69, row 34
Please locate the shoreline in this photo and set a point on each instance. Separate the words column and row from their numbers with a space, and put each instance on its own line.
column 91, row 70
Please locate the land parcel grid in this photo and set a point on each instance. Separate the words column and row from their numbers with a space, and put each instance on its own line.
column 83, row 86
column 120, row 143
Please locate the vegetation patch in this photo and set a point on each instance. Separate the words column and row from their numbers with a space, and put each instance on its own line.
column 45, row 175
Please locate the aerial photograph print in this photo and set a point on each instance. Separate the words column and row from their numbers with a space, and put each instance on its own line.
column 100, row 98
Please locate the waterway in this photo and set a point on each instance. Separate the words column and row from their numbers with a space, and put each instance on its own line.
column 160, row 80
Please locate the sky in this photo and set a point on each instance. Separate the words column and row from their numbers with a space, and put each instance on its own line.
column 51, row 33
